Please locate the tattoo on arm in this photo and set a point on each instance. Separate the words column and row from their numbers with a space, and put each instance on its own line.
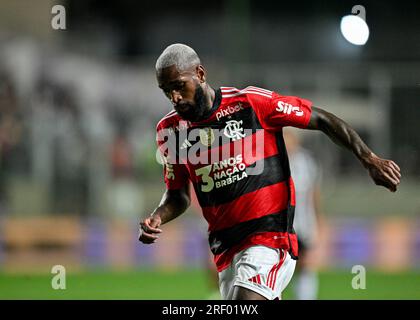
column 339, row 132
column 383, row 172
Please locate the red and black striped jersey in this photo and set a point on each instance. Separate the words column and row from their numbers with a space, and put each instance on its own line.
column 236, row 160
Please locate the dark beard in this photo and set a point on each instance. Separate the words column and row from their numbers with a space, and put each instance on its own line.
column 195, row 111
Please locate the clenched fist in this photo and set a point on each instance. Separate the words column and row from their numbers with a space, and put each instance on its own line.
column 149, row 229
column 384, row 173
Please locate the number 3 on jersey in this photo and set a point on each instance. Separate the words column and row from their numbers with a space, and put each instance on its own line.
column 208, row 182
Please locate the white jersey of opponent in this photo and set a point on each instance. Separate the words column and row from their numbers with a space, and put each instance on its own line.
column 305, row 175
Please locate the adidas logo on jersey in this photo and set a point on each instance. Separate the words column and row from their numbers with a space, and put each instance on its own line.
column 185, row 144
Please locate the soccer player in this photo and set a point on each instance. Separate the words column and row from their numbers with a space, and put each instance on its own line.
column 228, row 143
column 306, row 177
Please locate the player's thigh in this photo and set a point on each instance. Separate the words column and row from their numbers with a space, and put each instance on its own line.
column 306, row 256
column 285, row 274
column 226, row 278
column 241, row 293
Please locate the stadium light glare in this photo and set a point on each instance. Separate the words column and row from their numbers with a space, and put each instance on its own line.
column 354, row 29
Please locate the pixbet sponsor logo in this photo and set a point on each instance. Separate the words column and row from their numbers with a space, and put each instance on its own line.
column 228, row 111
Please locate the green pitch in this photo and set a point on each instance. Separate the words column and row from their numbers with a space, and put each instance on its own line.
column 192, row 284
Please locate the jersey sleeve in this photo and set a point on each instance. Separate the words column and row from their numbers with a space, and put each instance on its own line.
column 276, row 111
column 175, row 173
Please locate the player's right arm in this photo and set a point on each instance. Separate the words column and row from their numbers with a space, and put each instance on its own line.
column 173, row 204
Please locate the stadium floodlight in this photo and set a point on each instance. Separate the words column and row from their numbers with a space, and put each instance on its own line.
column 354, row 29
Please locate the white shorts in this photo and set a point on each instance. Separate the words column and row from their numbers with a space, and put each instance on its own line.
column 261, row 269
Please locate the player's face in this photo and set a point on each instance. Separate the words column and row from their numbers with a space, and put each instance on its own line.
column 184, row 90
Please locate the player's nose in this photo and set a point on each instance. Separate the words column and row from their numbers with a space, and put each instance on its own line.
column 175, row 97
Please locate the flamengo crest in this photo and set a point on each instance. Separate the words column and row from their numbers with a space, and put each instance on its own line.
column 234, row 130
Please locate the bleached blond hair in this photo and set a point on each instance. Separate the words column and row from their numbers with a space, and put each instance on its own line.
column 178, row 54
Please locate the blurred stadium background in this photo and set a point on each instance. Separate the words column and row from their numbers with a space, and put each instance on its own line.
column 78, row 109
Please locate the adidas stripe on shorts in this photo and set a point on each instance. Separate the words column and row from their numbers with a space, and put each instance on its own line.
column 261, row 269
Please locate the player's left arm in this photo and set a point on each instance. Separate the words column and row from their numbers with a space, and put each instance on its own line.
column 383, row 172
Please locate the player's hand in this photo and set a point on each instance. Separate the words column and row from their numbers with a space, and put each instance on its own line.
column 384, row 173
column 149, row 229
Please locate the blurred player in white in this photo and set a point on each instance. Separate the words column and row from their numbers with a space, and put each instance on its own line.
column 306, row 175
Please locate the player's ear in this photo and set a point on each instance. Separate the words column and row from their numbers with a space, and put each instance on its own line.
column 201, row 73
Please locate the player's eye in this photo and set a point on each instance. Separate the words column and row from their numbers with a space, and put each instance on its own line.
column 179, row 86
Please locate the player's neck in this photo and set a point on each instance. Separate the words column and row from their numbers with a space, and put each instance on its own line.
column 210, row 96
